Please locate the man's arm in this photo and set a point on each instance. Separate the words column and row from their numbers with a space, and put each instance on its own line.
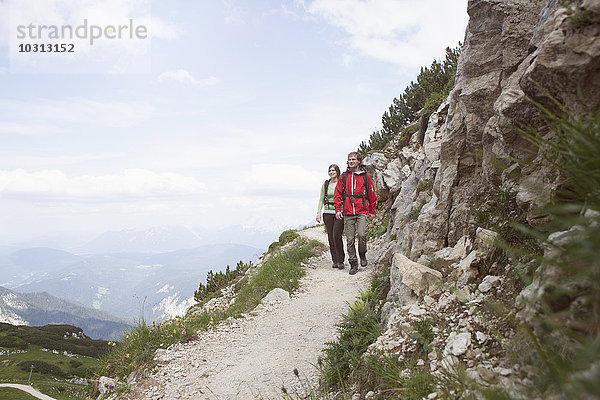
column 337, row 198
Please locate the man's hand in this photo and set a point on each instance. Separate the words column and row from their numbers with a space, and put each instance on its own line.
column 371, row 216
column 319, row 218
column 339, row 215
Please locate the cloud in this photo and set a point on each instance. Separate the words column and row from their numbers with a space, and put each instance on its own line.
column 43, row 116
column 183, row 76
column 403, row 32
column 132, row 184
column 45, row 161
column 279, row 180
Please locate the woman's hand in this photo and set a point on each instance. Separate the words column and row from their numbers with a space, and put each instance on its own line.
column 319, row 218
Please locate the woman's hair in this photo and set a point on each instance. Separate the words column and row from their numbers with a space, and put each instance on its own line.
column 337, row 169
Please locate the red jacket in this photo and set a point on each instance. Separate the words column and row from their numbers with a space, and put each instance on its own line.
column 357, row 184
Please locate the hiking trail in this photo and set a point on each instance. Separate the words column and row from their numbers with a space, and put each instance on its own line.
column 254, row 357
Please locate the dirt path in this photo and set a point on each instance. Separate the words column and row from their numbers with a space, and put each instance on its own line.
column 255, row 357
column 28, row 389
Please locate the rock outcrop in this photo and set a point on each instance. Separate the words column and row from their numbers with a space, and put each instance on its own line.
column 515, row 53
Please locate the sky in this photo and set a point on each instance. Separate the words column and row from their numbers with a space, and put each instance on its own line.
column 196, row 113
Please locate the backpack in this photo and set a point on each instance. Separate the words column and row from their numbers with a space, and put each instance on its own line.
column 325, row 199
column 364, row 196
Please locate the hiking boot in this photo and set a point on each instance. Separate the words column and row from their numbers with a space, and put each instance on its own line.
column 340, row 265
column 353, row 267
column 335, row 265
column 363, row 260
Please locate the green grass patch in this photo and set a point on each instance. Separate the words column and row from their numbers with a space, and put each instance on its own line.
column 49, row 373
column 283, row 270
column 360, row 327
column 15, row 394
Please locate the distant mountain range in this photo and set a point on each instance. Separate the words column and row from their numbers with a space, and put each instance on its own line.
column 130, row 274
column 38, row 309
column 129, row 284
column 152, row 240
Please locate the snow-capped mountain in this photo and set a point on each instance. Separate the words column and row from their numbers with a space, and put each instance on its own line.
column 38, row 309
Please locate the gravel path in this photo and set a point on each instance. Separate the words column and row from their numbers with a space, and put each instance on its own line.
column 254, row 357
column 28, row 389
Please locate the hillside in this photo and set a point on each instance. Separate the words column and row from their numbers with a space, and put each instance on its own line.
column 62, row 357
column 38, row 309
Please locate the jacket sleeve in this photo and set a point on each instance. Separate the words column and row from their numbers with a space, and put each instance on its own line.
column 371, row 194
column 337, row 196
column 321, row 198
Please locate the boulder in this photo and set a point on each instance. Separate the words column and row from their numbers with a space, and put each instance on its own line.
column 419, row 279
column 275, row 296
column 488, row 283
column 458, row 343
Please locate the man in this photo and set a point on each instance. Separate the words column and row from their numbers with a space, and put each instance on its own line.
column 355, row 201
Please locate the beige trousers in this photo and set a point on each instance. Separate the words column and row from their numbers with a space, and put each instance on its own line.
column 355, row 227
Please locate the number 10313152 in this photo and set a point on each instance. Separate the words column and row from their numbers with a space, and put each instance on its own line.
column 46, row 48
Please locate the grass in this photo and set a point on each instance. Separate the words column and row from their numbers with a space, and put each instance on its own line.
column 10, row 372
column 135, row 351
column 360, row 327
column 15, row 394
column 283, row 270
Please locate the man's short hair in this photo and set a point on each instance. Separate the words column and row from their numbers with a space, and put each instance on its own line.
column 355, row 154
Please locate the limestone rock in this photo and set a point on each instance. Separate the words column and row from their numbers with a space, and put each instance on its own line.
column 393, row 176
column 420, row 279
column 488, row 283
column 275, row 296
column 458, row 344
column 106, row 385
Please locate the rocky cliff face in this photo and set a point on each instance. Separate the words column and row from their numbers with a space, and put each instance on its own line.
column 515, row 51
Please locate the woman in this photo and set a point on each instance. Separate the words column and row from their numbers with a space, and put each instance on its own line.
column 334, row 226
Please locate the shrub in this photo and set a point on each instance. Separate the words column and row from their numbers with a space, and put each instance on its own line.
column 274, row 246
column 288, row 236
column 42, row 367
column 13, row 342
column 217, row 281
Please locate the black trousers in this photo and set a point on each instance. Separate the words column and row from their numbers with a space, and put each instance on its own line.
column 334, row 228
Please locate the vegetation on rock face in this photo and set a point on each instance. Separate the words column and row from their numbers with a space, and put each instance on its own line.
column 561, row 329
column 430, row 89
